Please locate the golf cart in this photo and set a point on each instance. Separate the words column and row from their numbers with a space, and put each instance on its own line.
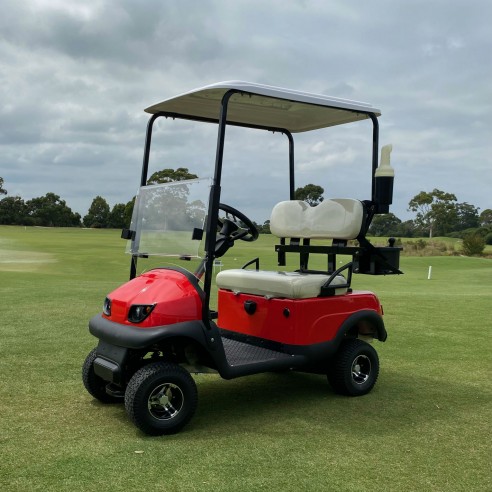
column 159, row 327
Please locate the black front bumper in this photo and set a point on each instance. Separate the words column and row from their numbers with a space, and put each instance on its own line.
column 110, row 362
column 118, row 343
column 133, row 337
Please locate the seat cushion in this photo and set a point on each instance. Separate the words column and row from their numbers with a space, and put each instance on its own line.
column 339, row 218
column 291, row 285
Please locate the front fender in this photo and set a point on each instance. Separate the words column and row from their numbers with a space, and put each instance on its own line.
column 122, row 336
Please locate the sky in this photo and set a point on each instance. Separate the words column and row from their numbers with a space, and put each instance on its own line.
column 76, row 76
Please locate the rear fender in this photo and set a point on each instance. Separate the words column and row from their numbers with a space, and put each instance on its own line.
column 363, row 324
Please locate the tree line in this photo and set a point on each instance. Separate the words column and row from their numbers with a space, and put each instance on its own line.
column 51, row 211
column 437, row 213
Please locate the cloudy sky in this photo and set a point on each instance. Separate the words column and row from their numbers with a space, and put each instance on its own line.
column 75, row 77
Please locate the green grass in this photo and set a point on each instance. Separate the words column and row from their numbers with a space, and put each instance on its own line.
column 425, row 426
column 434, row 246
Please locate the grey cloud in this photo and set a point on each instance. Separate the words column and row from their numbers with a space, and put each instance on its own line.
column 75, row 77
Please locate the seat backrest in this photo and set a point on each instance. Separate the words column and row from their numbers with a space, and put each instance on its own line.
column 338, row 218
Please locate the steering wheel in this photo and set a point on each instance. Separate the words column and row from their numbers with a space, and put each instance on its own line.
column 236, row 225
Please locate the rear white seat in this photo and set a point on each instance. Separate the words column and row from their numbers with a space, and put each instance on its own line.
column 337, row 218
column 340, row 218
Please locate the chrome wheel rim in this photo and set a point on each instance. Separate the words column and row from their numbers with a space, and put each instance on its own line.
column 166, row 401
column 361, row 369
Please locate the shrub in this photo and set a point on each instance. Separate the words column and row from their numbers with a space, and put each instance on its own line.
column 473, row 244
column 440, row 246
column 421, row 247
column 483, row 231
column 488, row 238
column 457, row 235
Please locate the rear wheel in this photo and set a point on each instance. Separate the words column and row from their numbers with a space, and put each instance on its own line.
column 355, row 368
column 161, row 398
column 95, row 385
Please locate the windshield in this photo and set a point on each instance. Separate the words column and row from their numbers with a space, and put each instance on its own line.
column 165, row 215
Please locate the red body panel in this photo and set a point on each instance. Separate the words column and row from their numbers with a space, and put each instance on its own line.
column 288, row 321
column 292, row 321
column 175, row 299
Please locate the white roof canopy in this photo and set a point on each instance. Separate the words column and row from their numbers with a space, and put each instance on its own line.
column 266, row 106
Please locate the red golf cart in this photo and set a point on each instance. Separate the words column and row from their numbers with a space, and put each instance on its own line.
column 159, row 327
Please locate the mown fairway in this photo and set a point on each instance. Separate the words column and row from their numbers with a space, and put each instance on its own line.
column 425, row 426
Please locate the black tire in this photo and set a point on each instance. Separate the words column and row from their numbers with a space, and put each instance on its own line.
column 355, row 368
column 95, row 385
column 161, row 398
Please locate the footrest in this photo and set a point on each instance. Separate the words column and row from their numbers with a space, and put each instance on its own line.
column 240, row 353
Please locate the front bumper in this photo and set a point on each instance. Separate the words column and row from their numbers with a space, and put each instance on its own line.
column 119, row 343
column 134, row 337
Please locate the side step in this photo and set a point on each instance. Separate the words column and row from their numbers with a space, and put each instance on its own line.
column 245, row 359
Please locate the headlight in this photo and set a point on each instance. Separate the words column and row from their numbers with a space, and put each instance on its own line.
column 107, row 306
column 138, row 312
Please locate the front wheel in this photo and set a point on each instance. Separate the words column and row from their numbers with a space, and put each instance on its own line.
column 161, row 398
column 355, row 368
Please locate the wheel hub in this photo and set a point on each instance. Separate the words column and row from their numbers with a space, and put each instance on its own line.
column 361, row 369
column 165, row 401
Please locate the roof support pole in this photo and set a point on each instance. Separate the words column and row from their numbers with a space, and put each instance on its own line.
column 213, row 207
column 375, row 151
column 143, row 180
column 292, row 184
column 148, row 140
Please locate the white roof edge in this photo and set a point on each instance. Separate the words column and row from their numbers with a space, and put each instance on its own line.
column 205, row 101
column 283, row 93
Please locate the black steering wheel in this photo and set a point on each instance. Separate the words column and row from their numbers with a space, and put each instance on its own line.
column 236, row 225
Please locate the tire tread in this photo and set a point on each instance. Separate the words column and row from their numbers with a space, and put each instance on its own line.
column 136, row 404
column 339, row 374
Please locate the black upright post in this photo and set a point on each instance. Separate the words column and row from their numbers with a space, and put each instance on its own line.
column 213, row 207
column 148, row 141
column 375, row 152
column 143, row 179
column 292, row 184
